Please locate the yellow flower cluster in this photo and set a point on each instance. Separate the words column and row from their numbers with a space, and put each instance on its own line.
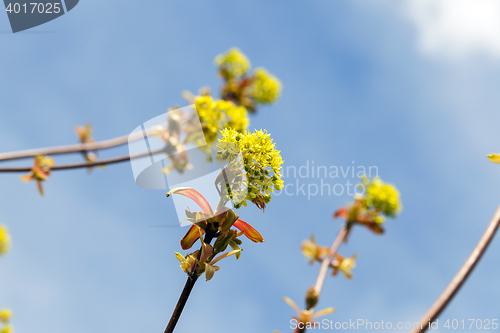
column 262, row 162
column 4, row 240
column 382, row 197
column 233, row 63
column 5, row 315
column 266, row 88
column 216, row 115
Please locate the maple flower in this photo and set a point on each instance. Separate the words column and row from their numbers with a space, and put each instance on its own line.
column 7, row 329
column 85, row 136
column 382, row 197
column 306, row 317
column 233, row 63
column 495, row 158
column 266, row 88
column 5, row 315
column 344, row 265
column 4, row 240
column 40, row 171
column 380, row 200
column 313, row 251
column 216, row 115
column 262, row 163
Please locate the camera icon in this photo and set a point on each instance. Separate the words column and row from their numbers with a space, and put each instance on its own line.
column 170, row 151
column 25, row 15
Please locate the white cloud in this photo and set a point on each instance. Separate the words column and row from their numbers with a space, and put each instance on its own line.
column 457, row 28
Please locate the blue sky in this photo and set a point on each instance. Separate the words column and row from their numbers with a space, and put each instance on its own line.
column 407, row 86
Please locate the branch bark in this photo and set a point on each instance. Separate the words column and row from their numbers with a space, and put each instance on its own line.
column 85, row 164
column 76, row 148
column 188, row 287
column 454, row 286
column 325, row 264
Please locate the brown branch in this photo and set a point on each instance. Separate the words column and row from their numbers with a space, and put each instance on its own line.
column 85, row 164
column 76, row 148
column 323, row 270
column 325, row 265
column 445, row 298
column 192, row 278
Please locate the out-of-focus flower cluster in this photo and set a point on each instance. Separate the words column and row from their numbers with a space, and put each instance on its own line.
column 266, row 87
column 261, row 160
column 244, row 88
column 381, row 200
column 5, row 315
column 495, row 158
column 40, row 171
column 4, row 239
column 317, row 253
column 219, row 114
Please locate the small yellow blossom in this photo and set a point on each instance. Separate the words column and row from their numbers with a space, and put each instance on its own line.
column 495, row 158
column 344, row 265
column 262, row 162
column 313, row 251
column 5, row 315
column 7, row 329
column 266, row 88
column 4, row 243
column 40, row 171
column 85, row 136
column 306, row 317
column 233, row 63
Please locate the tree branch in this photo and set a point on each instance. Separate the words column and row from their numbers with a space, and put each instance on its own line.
column 323, row 270
column 325, row 264
column 188, row 287
column 454, row 286
column 76, row 148
column 85, row 164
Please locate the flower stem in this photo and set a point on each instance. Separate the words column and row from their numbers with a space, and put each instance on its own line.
column 188, row 287
column 323, row 270
column 325, row 265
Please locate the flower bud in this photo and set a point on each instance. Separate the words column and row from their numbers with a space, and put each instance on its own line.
column 311, row 298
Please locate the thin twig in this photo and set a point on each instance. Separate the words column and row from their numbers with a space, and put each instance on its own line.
column 192, row 278
column 445, row 298
column 323, row 270
column 85, row 164
column 325, row 265
column 76, row 148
